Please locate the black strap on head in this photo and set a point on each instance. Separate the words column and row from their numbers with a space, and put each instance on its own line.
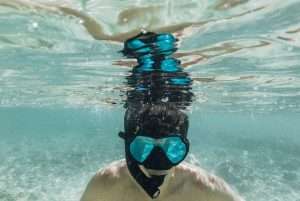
column 150, row 185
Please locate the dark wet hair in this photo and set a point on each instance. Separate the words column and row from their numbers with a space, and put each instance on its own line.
column 156, row 120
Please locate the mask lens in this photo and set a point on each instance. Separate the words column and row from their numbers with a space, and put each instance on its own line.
column 175, row 149
column 141, row 147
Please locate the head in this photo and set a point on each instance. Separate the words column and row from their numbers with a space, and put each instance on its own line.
column 155, row 137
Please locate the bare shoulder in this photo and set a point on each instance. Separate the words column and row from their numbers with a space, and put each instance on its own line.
column 102, row 183
column 112, row 170
column 215, row 187
column 201, row 177
column 112, row 174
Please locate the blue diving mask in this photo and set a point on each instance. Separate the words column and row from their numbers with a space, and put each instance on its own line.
column 174, row 146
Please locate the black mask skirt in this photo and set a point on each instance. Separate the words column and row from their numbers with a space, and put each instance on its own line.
column 150, row 185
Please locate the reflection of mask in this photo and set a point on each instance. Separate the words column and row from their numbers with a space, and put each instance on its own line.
column 155, row 156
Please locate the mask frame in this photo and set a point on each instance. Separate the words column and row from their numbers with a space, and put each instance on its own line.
column 129, row 138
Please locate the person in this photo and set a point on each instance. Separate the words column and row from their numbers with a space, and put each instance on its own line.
column 155, row 134
column 156, row 144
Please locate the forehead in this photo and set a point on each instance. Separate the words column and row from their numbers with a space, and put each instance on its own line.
column 158, row 127
column 156, row 134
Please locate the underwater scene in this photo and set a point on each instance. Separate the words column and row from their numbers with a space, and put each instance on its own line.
column 66, row 79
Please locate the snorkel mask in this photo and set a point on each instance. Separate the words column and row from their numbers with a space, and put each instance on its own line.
column 156, row 156
column 157, row 153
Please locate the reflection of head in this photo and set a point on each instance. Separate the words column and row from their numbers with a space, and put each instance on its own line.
column 157, row 120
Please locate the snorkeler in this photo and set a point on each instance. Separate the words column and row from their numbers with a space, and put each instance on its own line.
column 155, row 134
column 155, row 145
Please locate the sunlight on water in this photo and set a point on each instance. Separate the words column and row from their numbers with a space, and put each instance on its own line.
column 61, row 91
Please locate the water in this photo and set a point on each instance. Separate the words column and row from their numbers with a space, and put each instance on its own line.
column 61, row 94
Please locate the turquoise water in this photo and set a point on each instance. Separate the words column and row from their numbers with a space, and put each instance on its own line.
column 61, row 94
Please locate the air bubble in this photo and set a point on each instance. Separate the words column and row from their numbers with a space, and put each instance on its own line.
column 225, row 93
column 35, row 25
column 32, row 26
column 143, row 29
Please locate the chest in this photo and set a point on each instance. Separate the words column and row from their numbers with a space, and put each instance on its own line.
column 128, row 192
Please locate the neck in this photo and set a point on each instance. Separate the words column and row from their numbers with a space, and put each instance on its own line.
column 149, row 172
column 168, row 174
column 154, row 186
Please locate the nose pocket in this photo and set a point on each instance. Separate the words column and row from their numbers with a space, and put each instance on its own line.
column 157, row 160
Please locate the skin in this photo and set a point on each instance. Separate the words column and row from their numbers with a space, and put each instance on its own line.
column 184, row 182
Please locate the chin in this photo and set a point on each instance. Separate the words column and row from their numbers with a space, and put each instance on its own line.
column 155, row 172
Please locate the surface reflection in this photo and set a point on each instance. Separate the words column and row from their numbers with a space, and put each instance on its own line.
column 198, row 56
column 158, row 77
